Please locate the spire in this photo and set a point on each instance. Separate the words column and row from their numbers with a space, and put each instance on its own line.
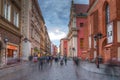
column 72, row 1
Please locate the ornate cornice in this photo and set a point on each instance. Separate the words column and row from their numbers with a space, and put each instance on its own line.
column 5, row 24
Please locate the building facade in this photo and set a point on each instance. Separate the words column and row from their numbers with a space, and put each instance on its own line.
column 54, row 50
column 10, row 28
column 47, row 42
column 77, row 30
column 32, row 23
column 64, row 47
column 104, row 18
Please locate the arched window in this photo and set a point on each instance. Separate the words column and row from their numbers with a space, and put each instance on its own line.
column 107, row 14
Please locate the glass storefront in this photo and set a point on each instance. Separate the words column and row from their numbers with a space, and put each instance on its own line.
column 12, row 54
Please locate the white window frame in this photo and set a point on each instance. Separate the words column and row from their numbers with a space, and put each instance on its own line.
column 7, row 10
column 16, row 19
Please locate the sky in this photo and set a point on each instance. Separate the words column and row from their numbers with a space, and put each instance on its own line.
column 56, row 15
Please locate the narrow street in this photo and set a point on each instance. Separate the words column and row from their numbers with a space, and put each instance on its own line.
column 57, row 72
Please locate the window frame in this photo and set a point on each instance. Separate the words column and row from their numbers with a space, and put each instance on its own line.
column 7, row 10
column 16, row 18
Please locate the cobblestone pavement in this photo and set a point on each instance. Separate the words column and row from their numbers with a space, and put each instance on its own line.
column 56, row 72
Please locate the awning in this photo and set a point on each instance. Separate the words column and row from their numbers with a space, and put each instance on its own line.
column 12, row 47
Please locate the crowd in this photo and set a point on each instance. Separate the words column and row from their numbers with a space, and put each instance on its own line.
column 47, row 60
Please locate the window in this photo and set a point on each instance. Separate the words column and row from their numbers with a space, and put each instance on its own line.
column 81, row 42
column 107, row 14
column 16, row 19
column 7, row 10
column 95, row 22
column 81, row 24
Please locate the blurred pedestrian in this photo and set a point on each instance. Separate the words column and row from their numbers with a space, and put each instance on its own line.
column 40, row 63
column 61, row 62
column 51, row 59
column 65, row 60
column 30, row 58
column 56, row 60
column 35, row 58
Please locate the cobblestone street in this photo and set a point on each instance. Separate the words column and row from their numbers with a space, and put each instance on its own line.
column 55, row 72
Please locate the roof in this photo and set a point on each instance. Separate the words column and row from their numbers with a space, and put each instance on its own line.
column 81, row 8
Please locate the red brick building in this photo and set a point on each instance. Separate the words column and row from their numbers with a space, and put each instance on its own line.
column 54, row 50
column 104, row 18
column 77, row 35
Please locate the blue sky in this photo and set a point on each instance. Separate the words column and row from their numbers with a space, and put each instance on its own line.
column 56, row 15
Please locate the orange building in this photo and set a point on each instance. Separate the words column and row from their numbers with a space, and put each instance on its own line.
column 104, row 18
column 64, row 47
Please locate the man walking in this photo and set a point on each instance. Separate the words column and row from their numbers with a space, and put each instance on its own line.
column 65, row 59
column 40, row 63
column 30, row 58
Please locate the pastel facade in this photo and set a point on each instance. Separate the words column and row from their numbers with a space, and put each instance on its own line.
column 77, row 34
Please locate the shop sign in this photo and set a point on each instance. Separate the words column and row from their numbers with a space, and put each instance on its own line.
column 110, row 33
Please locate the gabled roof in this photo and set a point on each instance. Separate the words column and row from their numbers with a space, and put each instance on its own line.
column 81, row 8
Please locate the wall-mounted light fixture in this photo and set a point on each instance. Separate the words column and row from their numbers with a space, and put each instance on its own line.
column 6, row 40
column 25, row 39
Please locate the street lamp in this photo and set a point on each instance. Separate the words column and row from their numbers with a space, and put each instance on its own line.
column 96, row 38
column 6, row 40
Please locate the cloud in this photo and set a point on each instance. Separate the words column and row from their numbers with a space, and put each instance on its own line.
column 56, row 34
column 56, row 15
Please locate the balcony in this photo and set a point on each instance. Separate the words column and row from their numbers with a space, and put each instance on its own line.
column 73, row 29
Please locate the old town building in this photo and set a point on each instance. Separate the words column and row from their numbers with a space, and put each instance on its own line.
column 10, row 27
column 32, row 24
column 64, row 47
column 77, row 35
column 43, row 38
column 54, row 50
column 104, row 26
column 47, row 43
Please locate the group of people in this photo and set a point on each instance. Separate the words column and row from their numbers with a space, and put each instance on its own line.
column 47, row 59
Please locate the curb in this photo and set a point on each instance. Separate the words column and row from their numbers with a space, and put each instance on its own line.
column 103, row 70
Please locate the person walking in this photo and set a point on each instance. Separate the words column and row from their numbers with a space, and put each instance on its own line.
column 65, row 60
column 51, row 59
column 40, row 63
column 30, row 58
